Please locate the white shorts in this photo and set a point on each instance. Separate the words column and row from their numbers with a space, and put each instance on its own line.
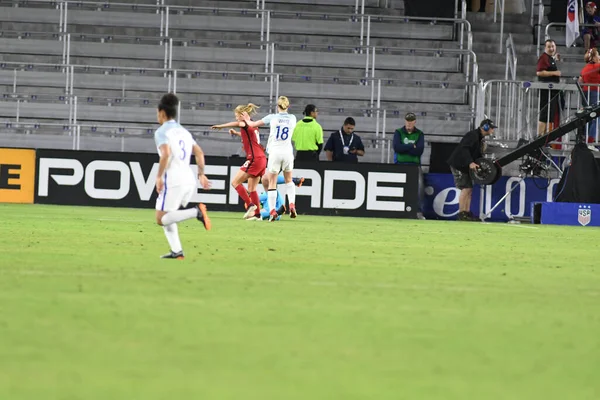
column 171, row 198
column 280, row 162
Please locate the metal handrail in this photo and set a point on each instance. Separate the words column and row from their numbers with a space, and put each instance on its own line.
column 539, row 26
column 501, row 7
column 511, row 59
column 552, row 24
column 517, row 105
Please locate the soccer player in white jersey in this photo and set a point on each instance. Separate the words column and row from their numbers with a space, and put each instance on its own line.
column 175, row 181
column 281, row 154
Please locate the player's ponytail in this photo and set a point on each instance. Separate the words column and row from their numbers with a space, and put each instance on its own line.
column 283, row 103
column 168, row 104
column 249, row 108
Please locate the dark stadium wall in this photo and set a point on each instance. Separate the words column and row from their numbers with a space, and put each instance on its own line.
column 429, row 8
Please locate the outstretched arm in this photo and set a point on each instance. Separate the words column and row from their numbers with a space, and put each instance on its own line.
column 228, row 125
column 250, row 123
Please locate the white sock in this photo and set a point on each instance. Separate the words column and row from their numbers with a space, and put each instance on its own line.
column 174, row 217
column 283, row 189
column 272, row 199
column 172, row 234
column 291, row 192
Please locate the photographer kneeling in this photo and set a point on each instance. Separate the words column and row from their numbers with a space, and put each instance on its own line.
column 462, row 159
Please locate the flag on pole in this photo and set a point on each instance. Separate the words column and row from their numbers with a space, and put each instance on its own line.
column 572, row 22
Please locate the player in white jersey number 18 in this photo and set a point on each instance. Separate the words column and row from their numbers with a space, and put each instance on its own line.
column 281, row 154
column 175, row 181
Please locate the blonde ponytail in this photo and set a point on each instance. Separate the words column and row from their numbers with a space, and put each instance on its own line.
column 249, row 108
column 283, row 103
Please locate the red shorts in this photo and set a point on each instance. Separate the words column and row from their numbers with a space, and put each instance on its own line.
column 255, row 167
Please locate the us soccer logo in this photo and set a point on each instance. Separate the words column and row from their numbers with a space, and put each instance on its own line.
column 584, row 215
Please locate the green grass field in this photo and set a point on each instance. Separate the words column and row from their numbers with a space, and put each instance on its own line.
column 316, row 308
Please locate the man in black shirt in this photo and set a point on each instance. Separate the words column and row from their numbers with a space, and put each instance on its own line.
column 345, row 145
column 462, row 159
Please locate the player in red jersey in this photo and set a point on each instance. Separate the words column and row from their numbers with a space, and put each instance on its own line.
column 256, row 160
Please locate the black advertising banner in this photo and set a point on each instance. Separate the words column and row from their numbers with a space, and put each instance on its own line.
column 127, row 180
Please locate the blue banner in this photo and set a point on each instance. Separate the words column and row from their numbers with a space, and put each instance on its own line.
column 570, row 214
column 441, row 197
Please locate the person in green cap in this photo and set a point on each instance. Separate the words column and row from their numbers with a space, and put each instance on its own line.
column 308, row 136
column 409, row 142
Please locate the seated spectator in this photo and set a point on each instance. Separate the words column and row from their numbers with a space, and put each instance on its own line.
column 345, row 145
column 590, row 34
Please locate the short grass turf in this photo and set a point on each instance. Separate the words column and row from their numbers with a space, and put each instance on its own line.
column 313, row 308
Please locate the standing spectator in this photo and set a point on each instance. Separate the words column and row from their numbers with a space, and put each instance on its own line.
column 345, row 145
column 462, row 160
column 547, row 71
column 590, row 34
column 308, row 136
column 409, row 143
column 591, row 74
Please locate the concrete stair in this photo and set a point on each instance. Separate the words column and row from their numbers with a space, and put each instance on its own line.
column 486, row 44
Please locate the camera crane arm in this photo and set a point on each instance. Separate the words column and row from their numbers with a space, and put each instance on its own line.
column 490, row 171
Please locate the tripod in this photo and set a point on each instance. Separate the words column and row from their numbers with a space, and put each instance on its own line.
column 487, row 215
column 529, row 167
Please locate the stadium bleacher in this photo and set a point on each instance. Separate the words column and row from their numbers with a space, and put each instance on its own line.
column 120, row 57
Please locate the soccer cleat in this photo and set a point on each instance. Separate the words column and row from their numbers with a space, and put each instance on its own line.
column 251, row 211
column 293, row 213
column 174, row 256
column 203, row 216
column 281, row 210
column 273, row 216
column 298, row 181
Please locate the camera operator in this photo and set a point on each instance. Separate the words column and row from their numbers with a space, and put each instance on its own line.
column 462, row 159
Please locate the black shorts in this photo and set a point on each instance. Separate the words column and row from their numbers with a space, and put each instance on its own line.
column 307, row 155
column 462, row 180
column 554, row 104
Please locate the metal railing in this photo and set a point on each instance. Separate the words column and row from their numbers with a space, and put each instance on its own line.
column 375, row 133
column 511, row 59
column 547, row 33
column 539, row 26
column 525, row 109
column 366, row 20
column 499, row 6
column 172, row 75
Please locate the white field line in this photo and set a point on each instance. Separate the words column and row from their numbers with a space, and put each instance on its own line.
column 507, row 224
